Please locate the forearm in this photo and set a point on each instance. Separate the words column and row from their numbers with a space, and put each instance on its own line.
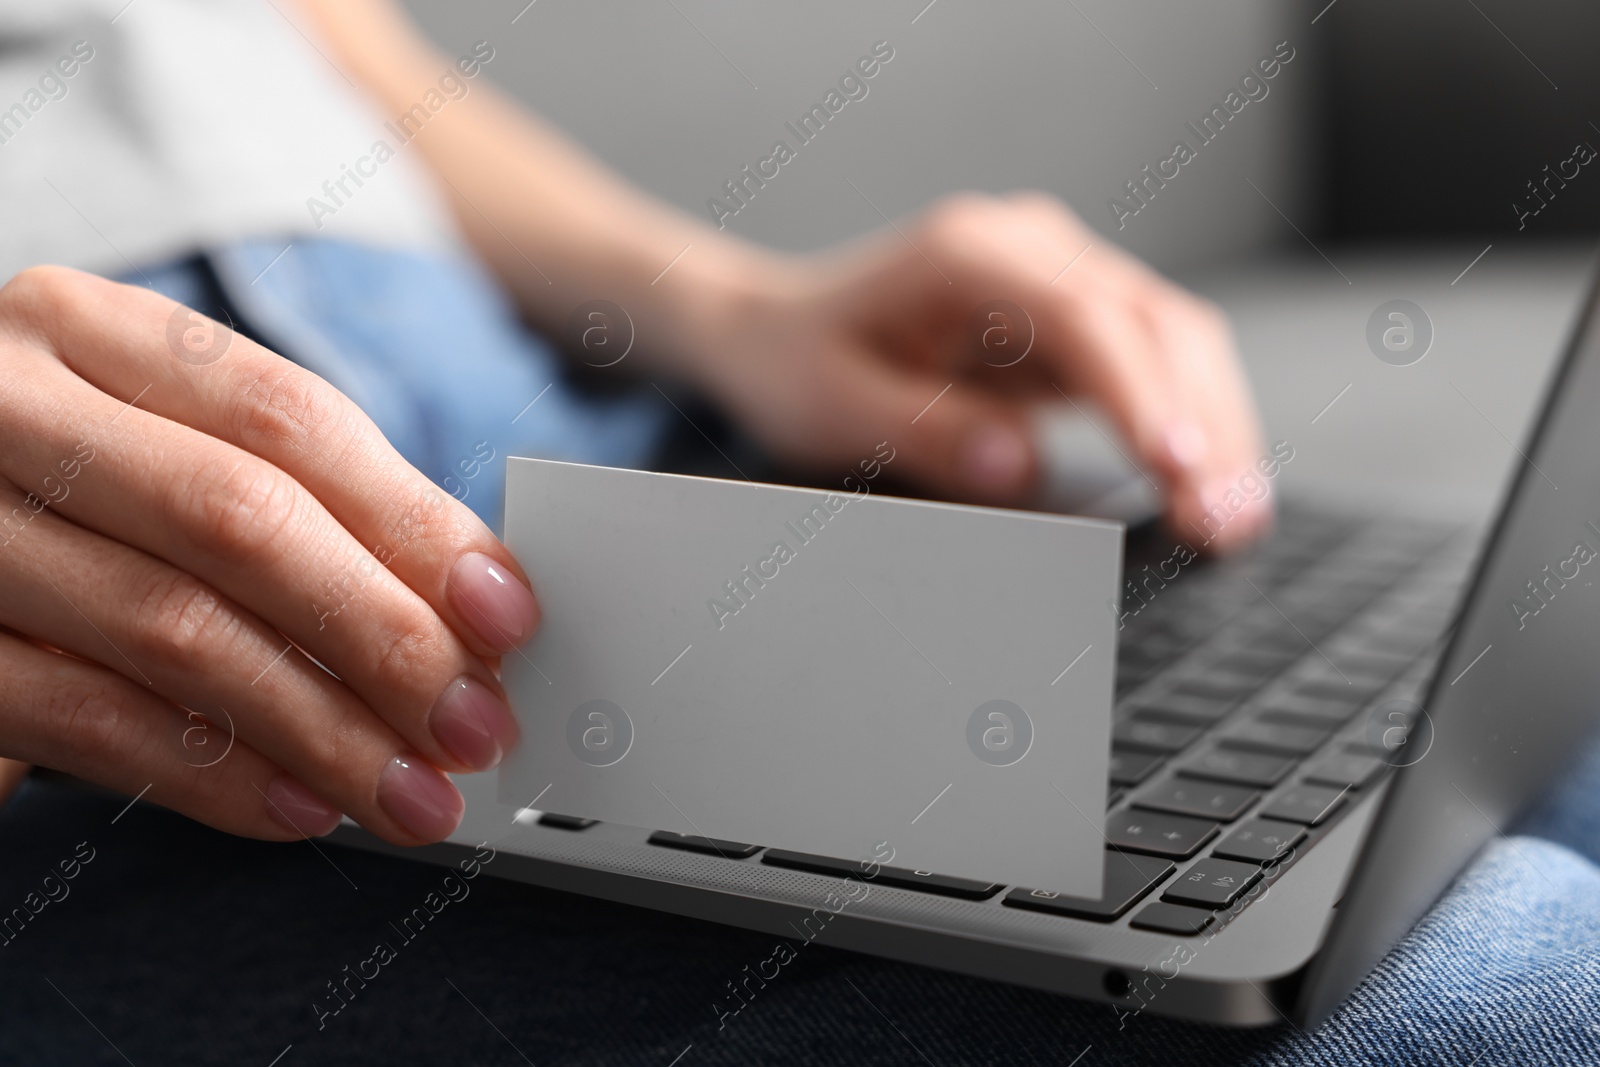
column 556, row 226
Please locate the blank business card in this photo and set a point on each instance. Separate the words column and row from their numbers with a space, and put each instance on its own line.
column 839, row 673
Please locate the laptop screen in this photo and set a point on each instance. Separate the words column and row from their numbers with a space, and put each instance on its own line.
column 1516, row 694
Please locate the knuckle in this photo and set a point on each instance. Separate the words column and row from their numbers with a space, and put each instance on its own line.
column 41, row 296
column 958, row 217
column 1045, row 206
column 94, row 721
column 285, row 409
column 239, row 509
column 181, row 623
column 338, row 754
column 1195, row 314
column 433, row 518
column 43, row 284
column 406, row 653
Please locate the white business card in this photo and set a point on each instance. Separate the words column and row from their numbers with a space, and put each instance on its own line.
column 828, row 672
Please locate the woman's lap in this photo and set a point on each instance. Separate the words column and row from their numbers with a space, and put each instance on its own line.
column 176, row 943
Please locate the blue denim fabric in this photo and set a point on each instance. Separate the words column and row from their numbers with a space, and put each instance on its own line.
column 181, row 945
column 429, row 348
column 178, row 944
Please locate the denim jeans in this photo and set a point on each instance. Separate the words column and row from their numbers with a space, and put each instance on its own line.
column 173, row 943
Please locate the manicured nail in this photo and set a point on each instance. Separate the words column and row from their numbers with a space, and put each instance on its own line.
column 298, row 810
column 498, row 607
column 1186, row 444
column 420, row 798
column 1220, row 493
column 472, row 723
column 996, row 456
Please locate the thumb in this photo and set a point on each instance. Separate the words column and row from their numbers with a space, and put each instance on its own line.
column 960, row 441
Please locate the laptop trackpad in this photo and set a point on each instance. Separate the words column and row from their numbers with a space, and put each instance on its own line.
column 896, row 682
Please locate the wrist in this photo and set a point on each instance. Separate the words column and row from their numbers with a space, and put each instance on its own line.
column 710, row 299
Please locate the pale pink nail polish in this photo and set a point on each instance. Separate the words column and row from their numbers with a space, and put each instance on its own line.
column 1186, row 444
column 297, row 809
column 472, row 723
column 420, row 798
column 497, row 606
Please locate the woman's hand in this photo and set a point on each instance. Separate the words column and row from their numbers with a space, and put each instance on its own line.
column 901, row 338
column 823, row 358
column 194, row 533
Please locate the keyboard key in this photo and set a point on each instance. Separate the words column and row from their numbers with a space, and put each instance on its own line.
column 731, row 850
column 1212, row 883
column 1172, row 919
column 1332, row 689
column 1242, row 768
column 1114, row 797
column 1260, row 841
column 1361, row 667
column 1280, row 640
column 1132, row 768
column 1275, row 737
column 928, row 882
column 1314, row 714
column 1345, row 769
column 1257, row 663
column 565, row 822
column 1162, row 835
column 1155, row 736
column 1330, row 704
column 1217, row 687
column 1188, row 707
column 1129, row 680
column 1371, row 657
column 806, row 861
column 1191, row 796
column 1127, row 880
column 1309, row 804
column 899, row 877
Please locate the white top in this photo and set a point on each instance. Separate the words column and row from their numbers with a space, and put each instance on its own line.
column 132, row 131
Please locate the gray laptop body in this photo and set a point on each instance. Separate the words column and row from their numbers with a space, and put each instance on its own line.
column 1309, row 744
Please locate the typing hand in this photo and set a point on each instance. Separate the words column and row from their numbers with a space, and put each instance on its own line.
column 898, row 338
column 189, row 525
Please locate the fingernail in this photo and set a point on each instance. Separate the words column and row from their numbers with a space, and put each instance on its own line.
column 472, row 723
column 420, row 798
column 298, row 810
column 1211, row 512
column 1186, row 443
column 1216, row 492
column 996, row 456
column 498, row 607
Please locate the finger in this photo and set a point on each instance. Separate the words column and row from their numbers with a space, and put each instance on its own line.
column 1210, row 450
column 12, row 775
column 950, row 436
column 1088, row 331
column 76, row 717
column 177, row 638
column 1166, row 377
column 129, row 343
column 1223, row 500
column 250, row 532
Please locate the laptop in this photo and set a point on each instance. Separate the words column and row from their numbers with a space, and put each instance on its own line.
column 1310, row 742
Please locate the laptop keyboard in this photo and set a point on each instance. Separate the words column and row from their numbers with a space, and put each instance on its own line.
column 1258, row 699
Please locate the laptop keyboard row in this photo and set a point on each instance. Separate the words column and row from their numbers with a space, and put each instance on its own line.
column 1256, row 700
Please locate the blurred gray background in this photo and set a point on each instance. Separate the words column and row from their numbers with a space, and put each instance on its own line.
column 1394, row 120
column 680, row 94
